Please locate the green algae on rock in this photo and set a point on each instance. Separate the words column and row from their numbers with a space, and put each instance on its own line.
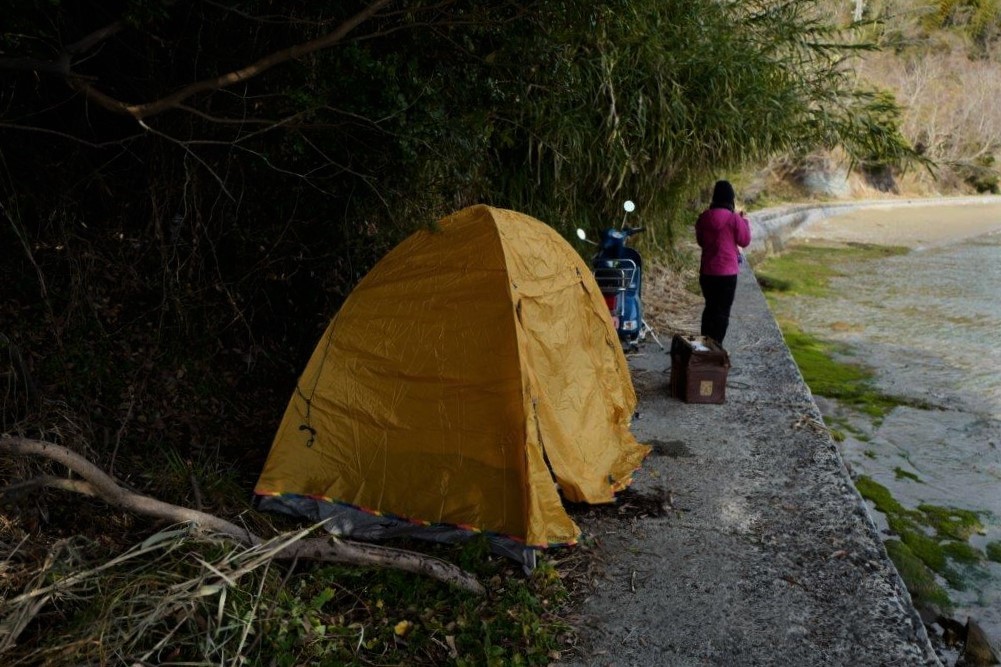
column 850, row 384
column 937, row 537
column 806, row 269
column 900, row 473
column 920, row 580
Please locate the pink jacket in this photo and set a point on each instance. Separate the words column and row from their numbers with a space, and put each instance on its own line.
column 719, row 231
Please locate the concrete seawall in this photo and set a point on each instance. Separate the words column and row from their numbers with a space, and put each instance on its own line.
column 743, row 540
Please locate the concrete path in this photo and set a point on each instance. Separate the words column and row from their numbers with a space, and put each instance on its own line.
column 766, row 554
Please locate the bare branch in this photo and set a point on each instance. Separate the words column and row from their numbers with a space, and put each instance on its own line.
column 64, row 135
column 90, row 41
column 321, row 549
column 85, row 85
column 234, row 121
column 187, row 148
column 61, row 65
column 49, row 482
column 140, row 111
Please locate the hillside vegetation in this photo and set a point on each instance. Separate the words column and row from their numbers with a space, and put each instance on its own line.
column 189, row 190
column 945, row 68
column 941, row 61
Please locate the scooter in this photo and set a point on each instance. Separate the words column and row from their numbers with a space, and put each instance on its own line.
column 618, row 270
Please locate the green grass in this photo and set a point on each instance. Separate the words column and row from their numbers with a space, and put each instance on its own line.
column 994, row 551
column 407, row 618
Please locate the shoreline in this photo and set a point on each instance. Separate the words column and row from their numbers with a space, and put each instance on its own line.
column 910, row 222
column 935, row 224
column 903, row 454
column 913, row 227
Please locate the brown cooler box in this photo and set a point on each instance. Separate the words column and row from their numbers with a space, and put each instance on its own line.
column 698, row 369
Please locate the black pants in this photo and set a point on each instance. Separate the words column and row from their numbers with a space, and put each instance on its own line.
column 718, row 292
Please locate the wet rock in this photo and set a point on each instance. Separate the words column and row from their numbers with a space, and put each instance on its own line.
column 881, row 177
column 953, row 632
column 823, row 176
column 978, row 651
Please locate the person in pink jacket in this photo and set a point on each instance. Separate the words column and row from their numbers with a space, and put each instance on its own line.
column 720, row 232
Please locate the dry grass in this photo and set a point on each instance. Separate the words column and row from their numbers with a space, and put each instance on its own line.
column 174, row 582
column 670, row 304
column 180, row 597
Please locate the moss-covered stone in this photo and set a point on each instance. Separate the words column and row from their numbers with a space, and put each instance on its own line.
column 879, row 495
column 924, row 546
column 900, row 473
column 850, row 384
column 952, row 522
column 807, row 269
column 929, row 540
column 920, row 580
column 824, row 375
column 963, row 552
column 937, row 536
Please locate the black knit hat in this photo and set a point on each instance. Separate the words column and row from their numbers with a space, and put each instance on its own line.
column 723, row 195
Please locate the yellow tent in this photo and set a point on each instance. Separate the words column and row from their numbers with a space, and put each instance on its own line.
column 469, row 378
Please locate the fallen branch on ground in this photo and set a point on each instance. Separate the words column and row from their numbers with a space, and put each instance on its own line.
column 326, row 549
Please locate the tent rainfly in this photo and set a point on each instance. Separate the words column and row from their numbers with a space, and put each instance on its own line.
column 467, row 381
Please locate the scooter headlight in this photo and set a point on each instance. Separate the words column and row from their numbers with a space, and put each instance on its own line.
column 629, row 325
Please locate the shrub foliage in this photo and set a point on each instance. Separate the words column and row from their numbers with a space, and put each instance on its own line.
column 189, row 189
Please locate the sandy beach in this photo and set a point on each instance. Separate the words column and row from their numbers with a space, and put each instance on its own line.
column 916, row 225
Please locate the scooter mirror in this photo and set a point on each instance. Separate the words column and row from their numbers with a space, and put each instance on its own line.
column 629, row 206
column 581, row 235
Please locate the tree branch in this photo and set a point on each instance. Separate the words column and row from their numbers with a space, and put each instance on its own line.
column 49, row 482
column 82, row 84
column 329, row 549
column 140, row 111
column 63, row 135
column 90, row 41
column 61, row 65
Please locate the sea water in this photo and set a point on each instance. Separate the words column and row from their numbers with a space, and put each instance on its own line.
column 929, row 324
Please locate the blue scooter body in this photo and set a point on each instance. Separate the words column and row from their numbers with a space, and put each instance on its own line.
column 618, row 270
